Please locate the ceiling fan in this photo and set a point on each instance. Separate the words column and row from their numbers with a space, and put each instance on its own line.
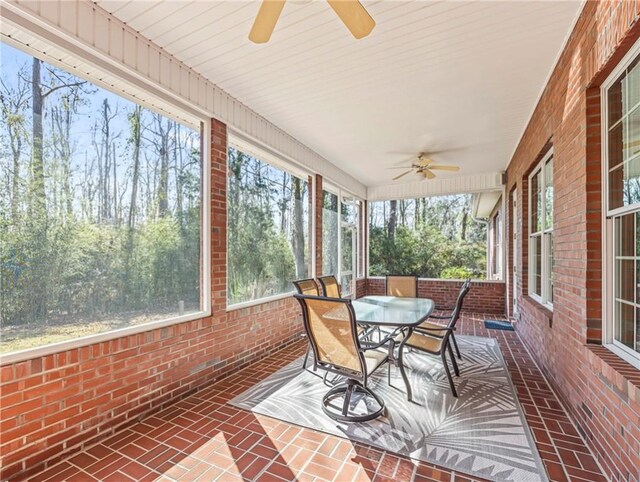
column 424, row 166
column 351, row 12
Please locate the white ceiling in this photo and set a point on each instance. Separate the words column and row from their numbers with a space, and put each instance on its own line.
column 433, row 75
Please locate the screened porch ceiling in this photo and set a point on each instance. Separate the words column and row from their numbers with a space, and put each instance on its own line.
column 462, row 77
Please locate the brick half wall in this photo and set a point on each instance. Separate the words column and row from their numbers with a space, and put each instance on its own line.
column 483, row 297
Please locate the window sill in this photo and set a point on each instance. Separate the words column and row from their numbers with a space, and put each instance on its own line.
column 540, row 309
column 622, row 375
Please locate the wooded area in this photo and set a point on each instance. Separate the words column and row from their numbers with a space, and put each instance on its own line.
column 433, row 237
column 268, row 229
column 100, row 206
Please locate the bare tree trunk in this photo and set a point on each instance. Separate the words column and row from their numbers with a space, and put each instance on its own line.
column 393, row 219
column 284, row 205
column 163, row 153
column 134, row 120
column 463, row 227
column 37, row 195
column 298, row 231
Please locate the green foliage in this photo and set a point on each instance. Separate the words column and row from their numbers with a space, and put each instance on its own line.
column 267, row 229
column 435, row 248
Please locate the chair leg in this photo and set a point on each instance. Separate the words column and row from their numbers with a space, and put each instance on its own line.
column 347, row 400
column 453, row 360
column 455, row 345
column 446, row 369
column 306, row 356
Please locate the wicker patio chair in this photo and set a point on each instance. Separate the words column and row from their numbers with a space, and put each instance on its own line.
column 464, row 289
column 331, row 326
column 402, row 286
column 330, row 286
column 436, row 339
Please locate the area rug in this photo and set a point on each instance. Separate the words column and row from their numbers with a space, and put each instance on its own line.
column 482, row 433
column 498, row 325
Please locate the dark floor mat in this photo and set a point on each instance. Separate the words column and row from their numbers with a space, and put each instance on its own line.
column 498, row 325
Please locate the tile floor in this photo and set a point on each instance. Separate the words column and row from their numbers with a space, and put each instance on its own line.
column 202, row 438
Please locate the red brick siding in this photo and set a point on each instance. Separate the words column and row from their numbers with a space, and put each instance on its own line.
column 361, row 288
column 483, row 297
column 598, row 393
column 318, row 234
column 57, row 404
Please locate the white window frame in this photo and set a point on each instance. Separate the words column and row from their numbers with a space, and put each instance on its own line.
column 238, row 141
column 545, row 273
column 608, row 222
column 205, row 222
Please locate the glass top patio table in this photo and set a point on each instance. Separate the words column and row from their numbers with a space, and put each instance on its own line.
column 392, row 311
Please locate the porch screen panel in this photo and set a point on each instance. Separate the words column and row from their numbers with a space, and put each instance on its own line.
column 623, row 183
column 432, row 237
column 100, row 209
column 268, row 226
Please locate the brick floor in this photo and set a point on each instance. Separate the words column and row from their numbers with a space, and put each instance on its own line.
column 203, row 438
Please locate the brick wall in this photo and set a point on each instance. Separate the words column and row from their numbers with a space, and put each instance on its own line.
column 600, row 390
column 53, row 405
column 483, row 297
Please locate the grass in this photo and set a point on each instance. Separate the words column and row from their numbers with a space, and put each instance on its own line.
column 32, row 335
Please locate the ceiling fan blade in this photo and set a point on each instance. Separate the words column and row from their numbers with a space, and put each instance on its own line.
column 266, row 21
column 403, row 174
column 354, row 16
column 424, row 161
column 428, row 174
column 444, row 168
column 397, row 167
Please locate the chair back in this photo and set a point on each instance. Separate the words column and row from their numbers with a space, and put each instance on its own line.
column 455, row 314
column 402, row 286
column 307, row 287
column 331, row 327
column 330, row 286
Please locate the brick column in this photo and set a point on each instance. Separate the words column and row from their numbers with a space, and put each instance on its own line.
column 318, row 233
column 218, row 191
column 594, row 217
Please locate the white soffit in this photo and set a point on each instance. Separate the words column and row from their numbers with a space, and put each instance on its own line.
column 484, row 203
column 87, row 40
column 459, row 76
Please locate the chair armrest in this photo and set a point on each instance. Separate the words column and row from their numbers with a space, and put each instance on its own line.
column 444, row 328
column 440, row 317
column 372, row 346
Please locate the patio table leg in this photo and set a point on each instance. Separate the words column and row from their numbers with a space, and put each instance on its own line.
column 401, row 363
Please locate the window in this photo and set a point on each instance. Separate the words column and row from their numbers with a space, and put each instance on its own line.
column 496, row 245
column 268, row 226
column 541, row 232
column 434, row 237
column 340, row 238
column 100, row 211
column 621, row 141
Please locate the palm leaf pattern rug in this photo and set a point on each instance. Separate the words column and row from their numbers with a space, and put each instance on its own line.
column 482, row 433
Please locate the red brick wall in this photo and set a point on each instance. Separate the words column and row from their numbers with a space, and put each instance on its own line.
column 54, row 405
column 483, row 297
column 600, row 390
